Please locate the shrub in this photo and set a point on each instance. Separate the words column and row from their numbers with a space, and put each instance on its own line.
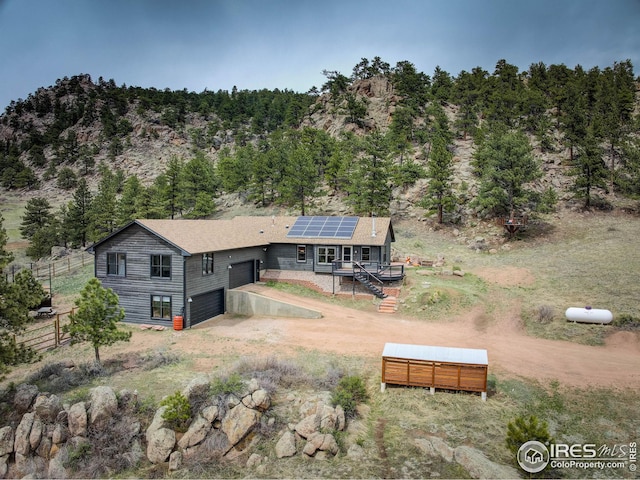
column 225, row 385
column 272, row 372
column 178, row 411
column 522, row 430
column 349, row 392
column 545, row 314
column 627, row 322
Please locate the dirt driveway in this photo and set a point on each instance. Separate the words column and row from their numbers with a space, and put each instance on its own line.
column 350, row 332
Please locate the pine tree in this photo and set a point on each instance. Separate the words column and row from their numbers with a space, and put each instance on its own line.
column 588, row 169
column 370, row 188
column 126, row 206
column 505, row 164
column 96, row 318
column 37, row 215
column 440, row 174
column 17, row 299
column 79, row 214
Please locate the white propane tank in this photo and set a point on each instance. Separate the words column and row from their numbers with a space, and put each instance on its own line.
column 588, row 315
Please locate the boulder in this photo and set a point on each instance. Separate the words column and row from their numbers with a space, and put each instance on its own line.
column 258, row 400
column 21, row 442
column 254, row 460
column 44, row 448
column 308, row 426
column 4, row 466
column 286, row 446
column 47, row 407
column 210, row 413
column 175, row 460
column 104, row 404
column 197, row 432
column 23, row 399
column 197, row 389
column 77, row 419
column 160, row 439
column 239, row 421
column 324, row 442
column 158, row 421
column 56, row 469
column 328, row 418
column 479, row 466
column 35, row 435
column 6, row 440
column 160, row 443
column 59, row 434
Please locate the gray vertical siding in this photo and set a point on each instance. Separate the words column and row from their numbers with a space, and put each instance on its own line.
column 198, row 283
column 136, row 287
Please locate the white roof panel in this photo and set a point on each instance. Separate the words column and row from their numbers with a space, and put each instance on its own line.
column 436, row 354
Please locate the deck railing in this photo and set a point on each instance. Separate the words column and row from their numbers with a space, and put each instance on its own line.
column 377, row 269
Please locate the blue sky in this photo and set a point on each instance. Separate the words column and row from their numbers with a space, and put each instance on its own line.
column 254, row 44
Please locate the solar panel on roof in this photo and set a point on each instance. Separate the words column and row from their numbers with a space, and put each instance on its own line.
column 323, row 227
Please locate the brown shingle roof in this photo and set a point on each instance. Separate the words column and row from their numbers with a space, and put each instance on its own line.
column 198, row 236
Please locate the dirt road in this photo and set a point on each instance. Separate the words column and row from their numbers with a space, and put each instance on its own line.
column 511, row 352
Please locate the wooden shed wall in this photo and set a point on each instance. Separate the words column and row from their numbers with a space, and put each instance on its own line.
column 424, row 373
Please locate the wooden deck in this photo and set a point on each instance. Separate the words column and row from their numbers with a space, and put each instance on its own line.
column 385, row 273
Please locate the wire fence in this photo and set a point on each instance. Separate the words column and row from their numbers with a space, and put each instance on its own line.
column 44, row 271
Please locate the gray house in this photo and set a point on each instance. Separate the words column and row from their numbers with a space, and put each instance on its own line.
column 164, row 268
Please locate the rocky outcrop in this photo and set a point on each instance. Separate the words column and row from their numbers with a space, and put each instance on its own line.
column 471, row 459
column 479, row 466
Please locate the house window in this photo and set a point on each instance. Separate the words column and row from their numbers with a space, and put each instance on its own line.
column 161, row 306
column 326, row 255
column 366, row 254
column 117, row 264
column 207, row 263
column 161, row 266
column 302, row 253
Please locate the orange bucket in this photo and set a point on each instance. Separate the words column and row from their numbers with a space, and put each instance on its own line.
column 177, row 322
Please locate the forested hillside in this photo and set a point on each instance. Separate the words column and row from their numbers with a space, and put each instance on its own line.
column 87, row 157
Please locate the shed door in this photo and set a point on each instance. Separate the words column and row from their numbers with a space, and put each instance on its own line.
column 206, row 305
column 241, row 274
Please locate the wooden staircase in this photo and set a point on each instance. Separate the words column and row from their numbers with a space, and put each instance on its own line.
column 388, row 305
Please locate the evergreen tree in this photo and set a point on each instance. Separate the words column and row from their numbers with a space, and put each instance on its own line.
column 505, row 164
column 37, row 215
column 302, row 179
column 17, row 299
column 96, row 318
column 79, row 218
column 174, row 186
column 102, row 211
column 588, row 169
column 439, row 195
column 126, row 207
column 370, row 189
column 198, row 176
